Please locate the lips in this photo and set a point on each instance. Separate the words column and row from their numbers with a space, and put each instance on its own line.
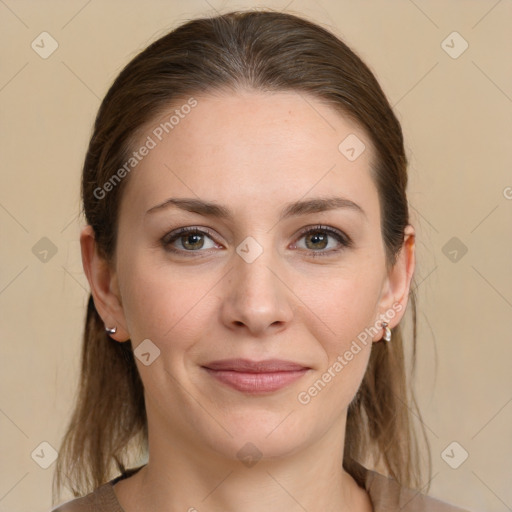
column 248, row 366
column 256, row 376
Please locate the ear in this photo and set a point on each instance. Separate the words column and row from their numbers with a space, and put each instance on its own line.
column 396, row 286
column 104, row 287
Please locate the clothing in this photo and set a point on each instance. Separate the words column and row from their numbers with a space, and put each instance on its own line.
column 385, row 494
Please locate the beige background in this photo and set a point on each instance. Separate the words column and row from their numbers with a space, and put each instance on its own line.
column 457, row 119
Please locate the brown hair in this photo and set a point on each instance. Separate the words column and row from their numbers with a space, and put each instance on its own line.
column 265, row 51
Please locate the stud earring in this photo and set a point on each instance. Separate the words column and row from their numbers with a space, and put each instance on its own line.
column 387, row 331
column 111, row 330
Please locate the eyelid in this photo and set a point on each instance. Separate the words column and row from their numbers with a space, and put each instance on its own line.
column 343, row 239
column 175, row 234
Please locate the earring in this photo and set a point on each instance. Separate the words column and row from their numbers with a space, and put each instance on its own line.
column 387, row 331
column 111, row 330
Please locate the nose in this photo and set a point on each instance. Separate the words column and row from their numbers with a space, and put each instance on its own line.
column 256, row 298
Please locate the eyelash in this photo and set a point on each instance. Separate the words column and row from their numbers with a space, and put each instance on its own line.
column 341, row 237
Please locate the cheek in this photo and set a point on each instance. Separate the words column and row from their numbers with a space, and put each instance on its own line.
column 345, row 306
column 164, row 304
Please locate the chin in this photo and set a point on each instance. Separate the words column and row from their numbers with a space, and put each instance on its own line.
column 261, row 434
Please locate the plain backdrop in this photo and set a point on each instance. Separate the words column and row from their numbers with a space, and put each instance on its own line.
column 446, row 69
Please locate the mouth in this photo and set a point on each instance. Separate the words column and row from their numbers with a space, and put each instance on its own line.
column 256, row 376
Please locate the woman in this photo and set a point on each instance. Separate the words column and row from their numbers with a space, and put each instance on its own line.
column 250, row 257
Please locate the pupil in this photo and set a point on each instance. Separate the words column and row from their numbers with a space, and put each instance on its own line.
column 319, row 237
column 189, row 237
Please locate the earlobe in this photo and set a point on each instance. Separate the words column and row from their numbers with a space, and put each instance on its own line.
column 103, row 284
column 395, row 293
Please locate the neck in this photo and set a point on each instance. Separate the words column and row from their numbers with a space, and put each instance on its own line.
column 186, row 476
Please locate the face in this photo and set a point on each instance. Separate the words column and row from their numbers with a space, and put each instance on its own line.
column 263, row 281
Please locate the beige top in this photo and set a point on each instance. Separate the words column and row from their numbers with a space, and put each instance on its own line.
column 385, row 494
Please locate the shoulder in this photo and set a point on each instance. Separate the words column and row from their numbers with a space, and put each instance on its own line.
column 388, row 495
column 101, row 499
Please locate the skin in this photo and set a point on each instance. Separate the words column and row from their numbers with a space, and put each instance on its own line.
column 251, row 152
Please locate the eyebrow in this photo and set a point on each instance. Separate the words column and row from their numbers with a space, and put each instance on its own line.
column 212, row 209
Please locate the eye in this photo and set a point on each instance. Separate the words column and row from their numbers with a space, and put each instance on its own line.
column 317, row 239
column 191, row 239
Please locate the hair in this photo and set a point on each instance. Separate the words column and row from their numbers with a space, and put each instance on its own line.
column 251, row 50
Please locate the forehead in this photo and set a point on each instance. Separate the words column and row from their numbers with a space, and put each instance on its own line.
column 250, row 145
